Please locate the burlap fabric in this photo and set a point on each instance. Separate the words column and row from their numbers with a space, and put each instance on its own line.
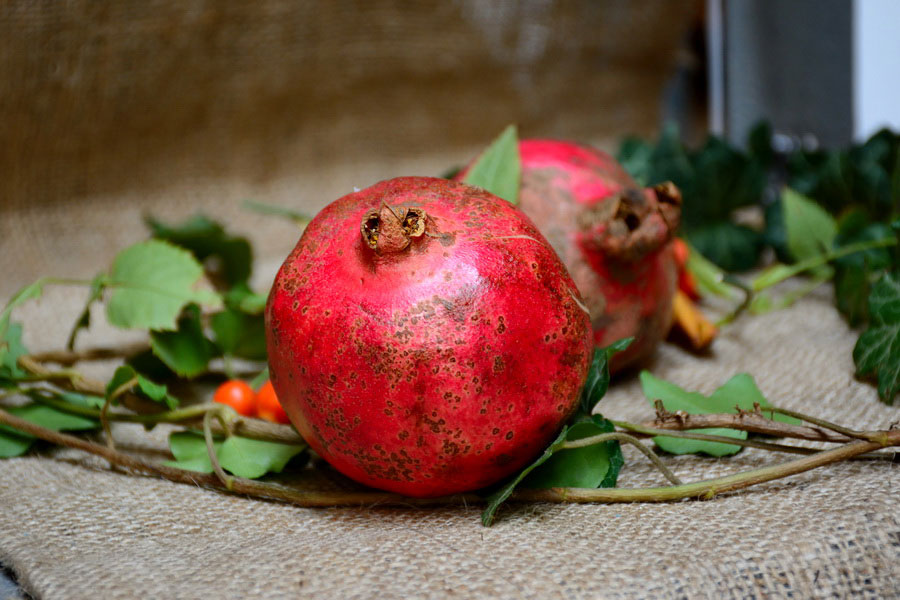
column 110, row 111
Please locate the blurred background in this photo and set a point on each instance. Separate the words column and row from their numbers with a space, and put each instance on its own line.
column 113, row 110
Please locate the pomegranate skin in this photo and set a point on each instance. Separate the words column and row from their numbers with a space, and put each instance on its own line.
column 613, row 237
column 430, row 360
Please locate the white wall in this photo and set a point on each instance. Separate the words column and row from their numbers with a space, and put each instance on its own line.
column 876, row 66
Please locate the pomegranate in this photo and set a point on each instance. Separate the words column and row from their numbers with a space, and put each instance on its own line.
column 424, row 338
column 613, row 237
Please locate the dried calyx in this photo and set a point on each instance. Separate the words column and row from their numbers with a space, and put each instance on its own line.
column 391, row 229
column 634, row 223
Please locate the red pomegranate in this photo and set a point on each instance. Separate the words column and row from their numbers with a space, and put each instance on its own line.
column 424, row 338
column 613, row 237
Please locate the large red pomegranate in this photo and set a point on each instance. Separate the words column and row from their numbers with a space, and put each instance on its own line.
column 424, row 338
column 613, row 236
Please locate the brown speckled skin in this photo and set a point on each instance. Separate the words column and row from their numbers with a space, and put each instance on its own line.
column 561, row 181
column 438, row 369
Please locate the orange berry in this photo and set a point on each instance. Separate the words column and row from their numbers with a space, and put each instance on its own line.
column 268, row 407
column 238, row 395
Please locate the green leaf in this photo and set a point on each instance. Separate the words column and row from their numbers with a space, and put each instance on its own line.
column 98, row 284
column 810, row 230
column 152, row 282
column 242, row 457
column 239, row 334
column 877, row 351
column 16, row 443
column 674, row 399
column 189, row 450
column 141, row 385
column 225, row 257
column 11, row 348
column 248, row 458
column 729, row 246
column 502, row 494
column 186, row 351
column 297, row 217
column 242, row 298
column 597, row 382
column 710, row 278
column 498, row 169
column 738, row 393
column 635, row 156
column 31, row 291
column 588, row 467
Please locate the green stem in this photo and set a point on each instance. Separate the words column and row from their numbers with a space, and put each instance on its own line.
column 851, row 433
column 778, row 273
column 243, row 426
column 748, row 298
column 227, row 480
column 701, row 489
column 707, row 437
column 628, row 439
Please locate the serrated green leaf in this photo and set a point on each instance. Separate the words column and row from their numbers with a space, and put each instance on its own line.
column 186, row 351
column 98, row 284
column 498, row 169
column 226, row 257
column 809, row 229
column 16, row 443
column 152, row 282
column 597, row 382
column 239, row 334
column 503, row 493
column 242, row 457
column 877, row 351
column 588, row 467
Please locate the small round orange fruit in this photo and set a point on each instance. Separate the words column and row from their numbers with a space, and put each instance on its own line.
column 268, row 407
column 238, row 395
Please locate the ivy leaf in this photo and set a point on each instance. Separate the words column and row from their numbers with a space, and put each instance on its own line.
column 809, row 229
column 152, row 282
column 242, row 457
column 597, row 382
column 738, row 393
column 11, row 348
column 141, row 385
column 225, row 256
column 16, row 443
column 239, row 334
column 877, row 351
column 588, row 467
column 732, row 247
column 502, row 494
column 499, row 169
column 856, row 273
column 674, row 399
column 98, row 284
column 186, row 351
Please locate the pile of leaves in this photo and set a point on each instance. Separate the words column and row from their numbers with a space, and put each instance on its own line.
column 188, row 287
column 830, row 215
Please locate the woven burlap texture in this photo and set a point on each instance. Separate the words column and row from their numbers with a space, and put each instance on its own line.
column 72, row 528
